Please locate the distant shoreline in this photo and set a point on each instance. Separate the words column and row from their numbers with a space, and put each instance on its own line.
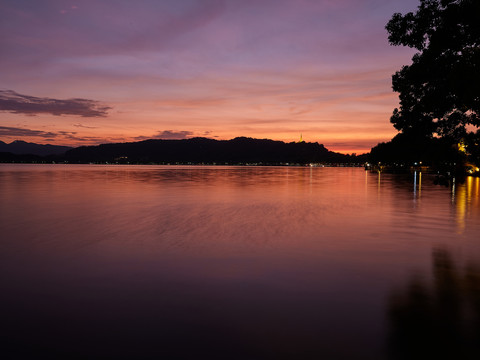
column 238, row 151
column 193, row 165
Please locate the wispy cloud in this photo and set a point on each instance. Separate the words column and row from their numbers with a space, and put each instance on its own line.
column 85, row 126
column 168, row 135
column 16, row 103
column 62, row 136
column 94, row 140
column 21, row 132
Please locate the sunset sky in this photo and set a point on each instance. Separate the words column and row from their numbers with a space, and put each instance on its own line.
column 89, row 72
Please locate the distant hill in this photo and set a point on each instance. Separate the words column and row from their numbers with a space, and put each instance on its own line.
column 20, row 147
column 240, row 150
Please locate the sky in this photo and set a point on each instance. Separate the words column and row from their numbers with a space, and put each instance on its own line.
column 87, row 72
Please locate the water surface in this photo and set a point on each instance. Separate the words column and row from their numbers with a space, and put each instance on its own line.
column 181, row 262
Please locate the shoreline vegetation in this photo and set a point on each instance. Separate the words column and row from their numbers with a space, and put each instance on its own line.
column 197, row 151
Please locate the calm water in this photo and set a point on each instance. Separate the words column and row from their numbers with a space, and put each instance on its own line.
column 236, row 263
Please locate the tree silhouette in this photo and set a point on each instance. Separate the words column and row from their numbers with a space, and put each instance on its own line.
column 440, row 91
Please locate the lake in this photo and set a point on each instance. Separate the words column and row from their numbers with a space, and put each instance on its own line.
column 213, row 262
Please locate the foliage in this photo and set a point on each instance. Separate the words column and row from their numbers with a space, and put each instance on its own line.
column 408, row 148
column 472, row 146
column 440, row 91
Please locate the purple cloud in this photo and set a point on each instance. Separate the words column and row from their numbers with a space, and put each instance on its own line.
column 15, row 132
column 168, row 135
column 19, row 132
column 24, row 104
column 84, row 126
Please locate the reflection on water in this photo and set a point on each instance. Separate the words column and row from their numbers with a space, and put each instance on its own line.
column 417, row 184
column 184, row 262
column 466, row 200
column 440, row 319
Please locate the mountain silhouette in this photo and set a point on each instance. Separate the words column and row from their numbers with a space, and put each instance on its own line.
column 20, row 147
column 241, row 150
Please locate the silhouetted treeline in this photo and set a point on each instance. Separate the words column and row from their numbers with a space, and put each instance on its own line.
column 408, row 149
column 240, row 150
column 7, row 157
column 439, row 112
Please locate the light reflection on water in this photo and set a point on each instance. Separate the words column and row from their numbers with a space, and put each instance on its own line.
column 219, row 262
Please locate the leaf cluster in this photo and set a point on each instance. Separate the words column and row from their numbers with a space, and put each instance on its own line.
column 440, row 91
